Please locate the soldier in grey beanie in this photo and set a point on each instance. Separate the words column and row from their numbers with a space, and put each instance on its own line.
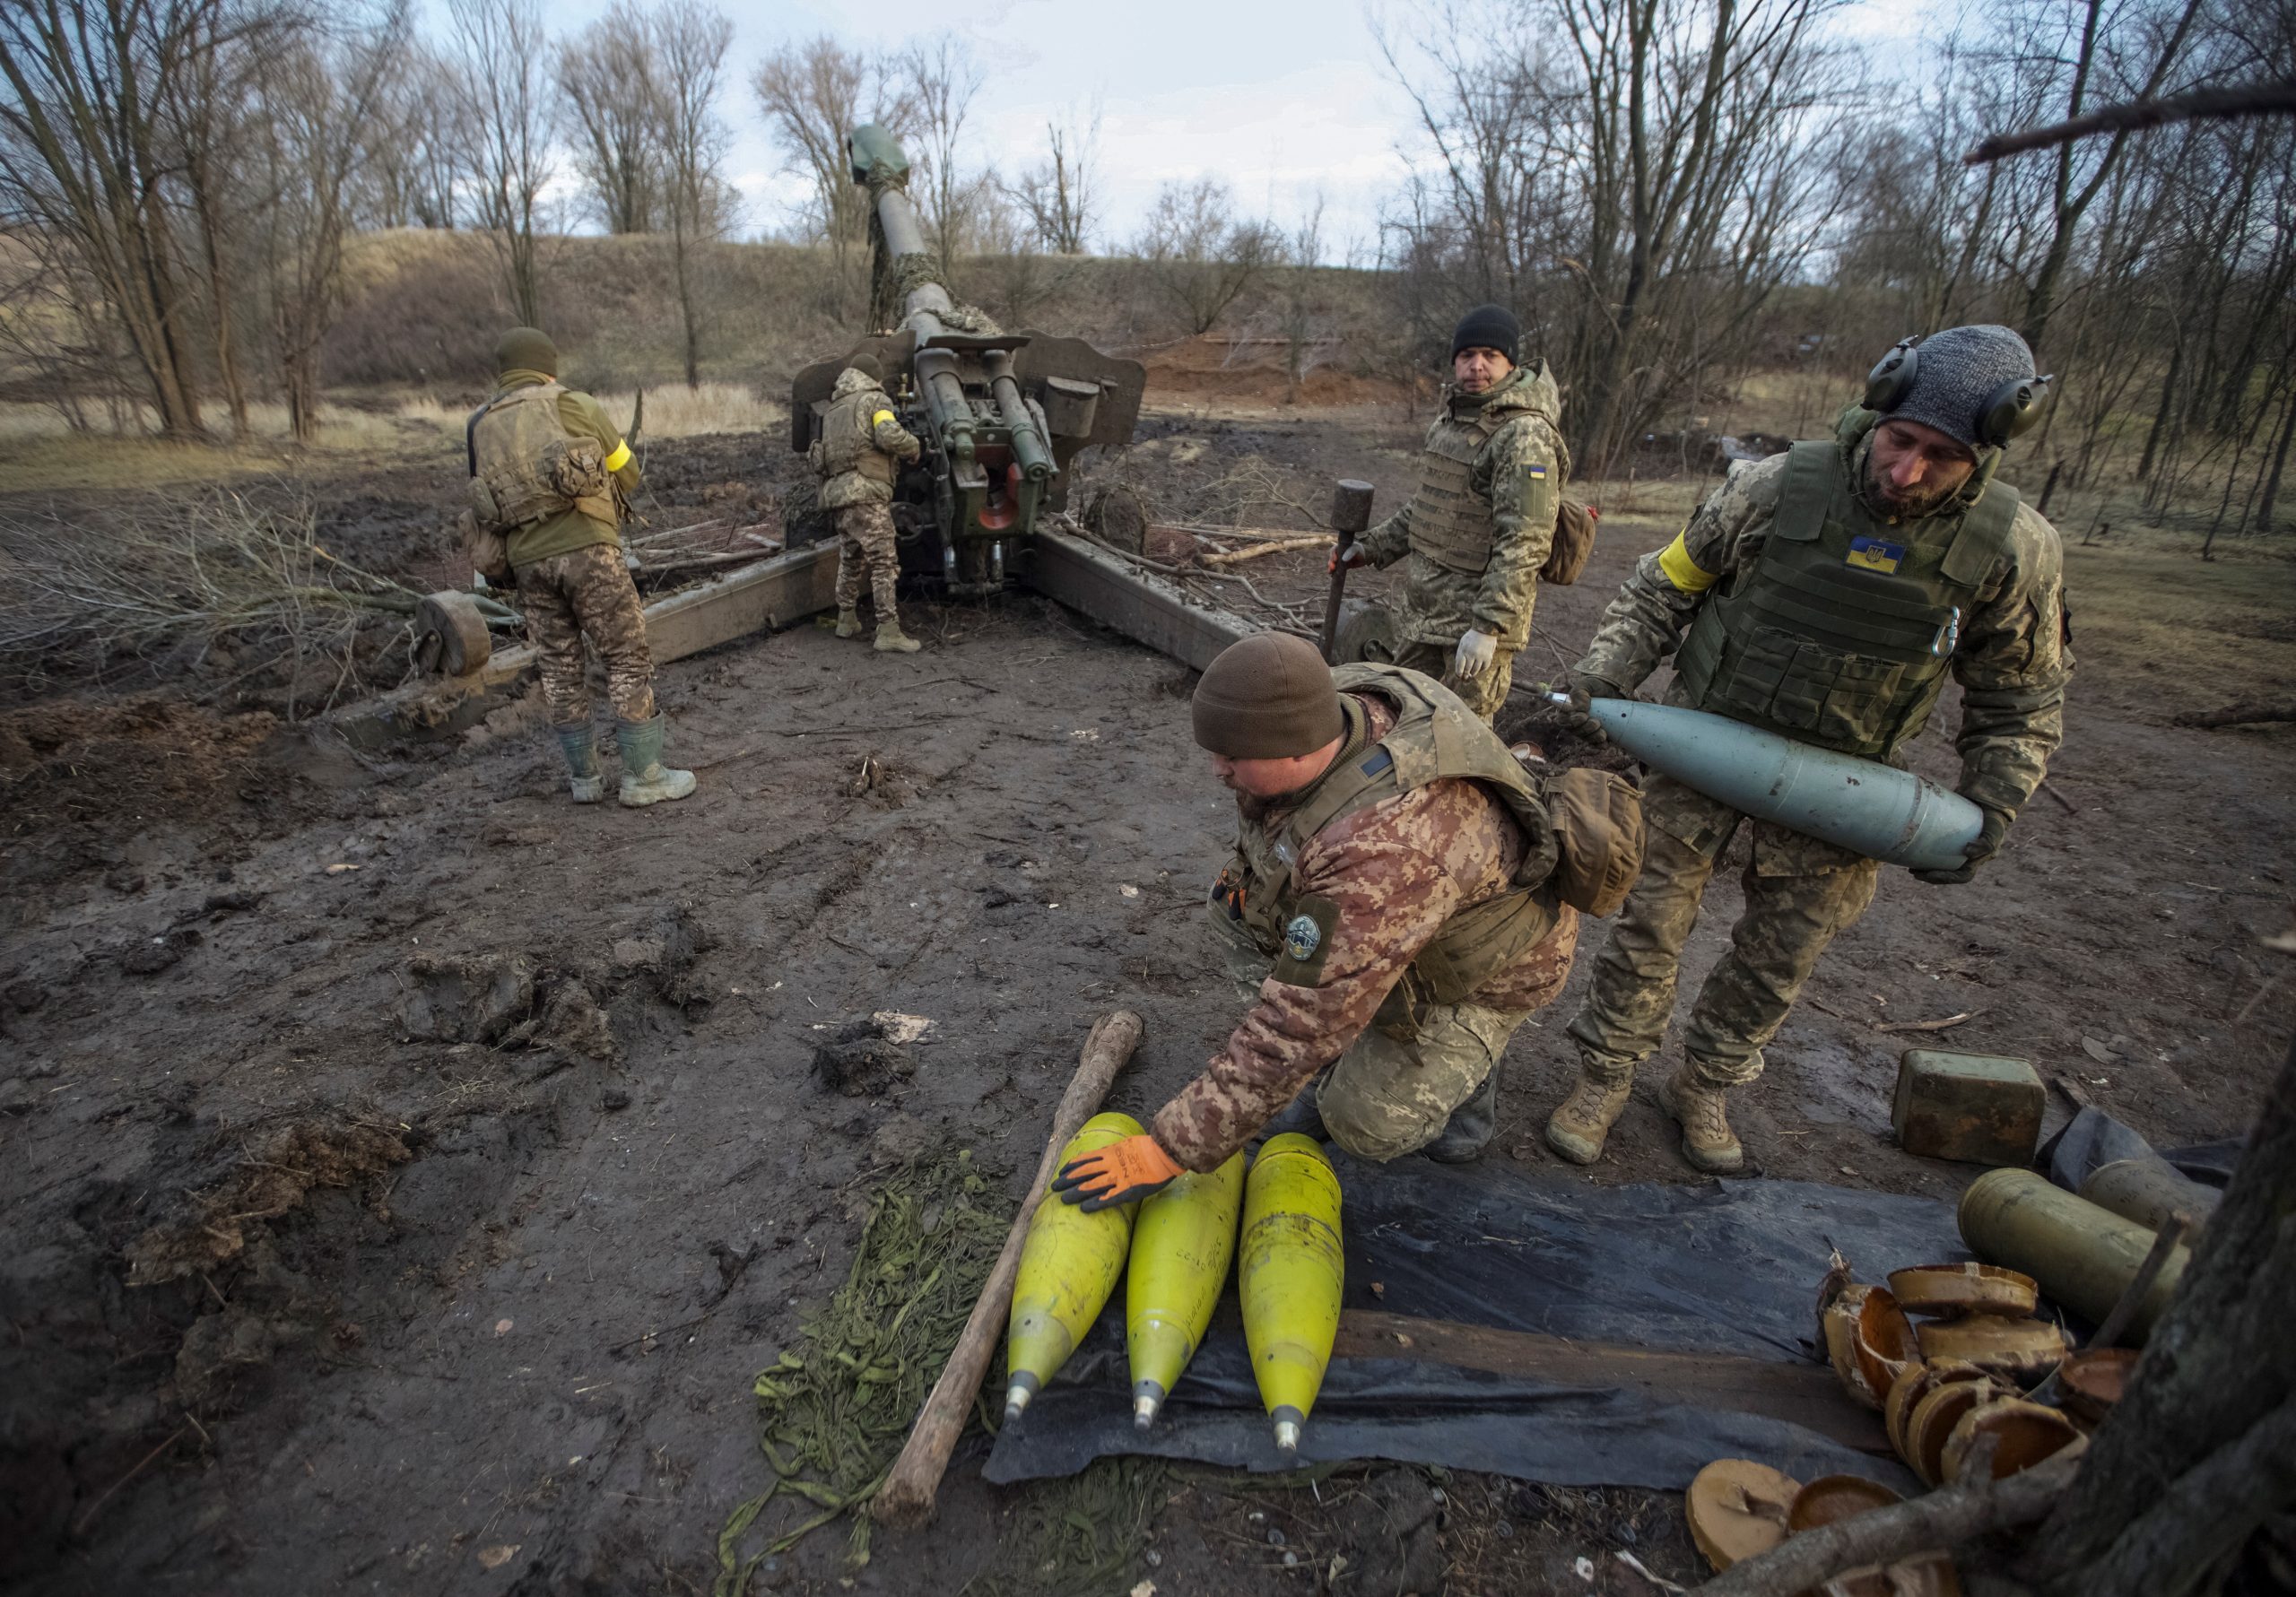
column 1975, row 385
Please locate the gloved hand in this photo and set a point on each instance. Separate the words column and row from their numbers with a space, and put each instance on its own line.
column 1987, row 845
column 1476, row 650
column 1351, row 559
column 1577, row 716
column 1121, row 1172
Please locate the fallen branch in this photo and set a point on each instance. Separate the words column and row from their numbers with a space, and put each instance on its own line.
column 1947, row 1024
column 1940, row 1522
column 2252, row 100
column 2251, row 714
column 1231, row 557
column 907, row 1497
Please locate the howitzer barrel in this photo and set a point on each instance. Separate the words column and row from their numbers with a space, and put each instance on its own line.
column 879, row 163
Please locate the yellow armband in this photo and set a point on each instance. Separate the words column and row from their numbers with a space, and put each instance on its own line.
column 880, row 417
column 620, row 457
column 1685, row 573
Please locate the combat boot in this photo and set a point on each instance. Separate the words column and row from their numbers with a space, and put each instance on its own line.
column 893, row 640
column 849, row 621
column 1469, row 1130
column 579, row 744
column 645, row 779
column 1578, row 1128
column 1707, row 1141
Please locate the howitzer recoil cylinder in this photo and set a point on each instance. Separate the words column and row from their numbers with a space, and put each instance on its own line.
column 1876, row 810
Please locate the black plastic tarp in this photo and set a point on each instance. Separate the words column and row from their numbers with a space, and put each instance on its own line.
column 1728, row 1268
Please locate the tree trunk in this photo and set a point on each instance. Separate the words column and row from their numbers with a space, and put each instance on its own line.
column 2203, row 1449
column 2279, row 463
column 682, row 249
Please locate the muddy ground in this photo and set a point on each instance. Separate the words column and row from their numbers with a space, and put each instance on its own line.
column 402, row 1167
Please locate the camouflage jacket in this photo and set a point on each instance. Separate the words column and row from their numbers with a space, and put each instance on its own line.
column 1519, row 472
column 2012, row 658
column 1394, row 872
column 861, row 471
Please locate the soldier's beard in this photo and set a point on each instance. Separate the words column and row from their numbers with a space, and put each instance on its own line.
column 1912, row 505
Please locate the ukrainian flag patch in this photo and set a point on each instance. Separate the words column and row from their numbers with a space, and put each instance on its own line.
column 1875, row 554
column 1536, row 473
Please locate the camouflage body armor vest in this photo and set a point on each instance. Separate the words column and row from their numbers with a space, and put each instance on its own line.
column 1450, row 523
column 528, row 467
column 1432, row 739
column 850, row 449
column 1840, row 633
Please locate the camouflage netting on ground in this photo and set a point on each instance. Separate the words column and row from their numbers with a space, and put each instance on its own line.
column 832, row 1412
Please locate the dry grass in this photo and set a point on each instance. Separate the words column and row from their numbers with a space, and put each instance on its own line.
column 44, row 454
column 673, row 410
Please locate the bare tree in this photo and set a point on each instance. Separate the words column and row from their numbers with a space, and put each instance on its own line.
column 1303, row 328
column 503, row 63
column 811, row 96
column 1197, row 254
column 610, row 98
column 83, row 152
column 314, row 101
column 1061, row 194
column 417, row 144
column 942, row 80
column 690, row 40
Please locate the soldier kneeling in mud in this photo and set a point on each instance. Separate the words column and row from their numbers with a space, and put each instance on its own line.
column 1405, row 893
column 549, row 474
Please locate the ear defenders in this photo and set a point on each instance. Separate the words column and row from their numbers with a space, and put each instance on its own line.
column 2011, row 411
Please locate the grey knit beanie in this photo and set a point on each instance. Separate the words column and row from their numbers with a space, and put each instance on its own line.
column 1957, row 370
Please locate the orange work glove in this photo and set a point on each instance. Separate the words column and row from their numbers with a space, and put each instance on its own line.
column 1121, row 1172
column 1351, row 557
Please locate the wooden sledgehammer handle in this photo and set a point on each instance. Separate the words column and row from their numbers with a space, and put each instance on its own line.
column 907, row 1497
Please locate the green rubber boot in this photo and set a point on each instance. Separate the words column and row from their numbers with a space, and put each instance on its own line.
column 579, row 744
column 645, row 779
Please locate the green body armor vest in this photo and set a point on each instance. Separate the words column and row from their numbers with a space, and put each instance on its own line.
column 1840, row 633
column 854, row 470
column 1450, row 523
column 1434, row 737
column 527, row 467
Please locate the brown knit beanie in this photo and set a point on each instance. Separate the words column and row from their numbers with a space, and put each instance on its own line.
column 526, row 348
column 1267, row 697
column 866, row 365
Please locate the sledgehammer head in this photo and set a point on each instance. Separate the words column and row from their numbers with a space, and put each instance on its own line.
column 1350, row 505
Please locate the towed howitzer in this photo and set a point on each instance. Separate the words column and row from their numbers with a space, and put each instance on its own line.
column 1001, row 414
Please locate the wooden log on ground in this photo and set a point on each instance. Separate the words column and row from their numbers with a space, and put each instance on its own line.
column 907, row 1497
column 1281, row 546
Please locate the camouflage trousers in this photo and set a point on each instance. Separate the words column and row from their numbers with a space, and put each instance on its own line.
column 587, row 592
column 1800, row 895
column 866, row 557
column 1393, row 1092
column 1386, row 1096
column 1374, row 634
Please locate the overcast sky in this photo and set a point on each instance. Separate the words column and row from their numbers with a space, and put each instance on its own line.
column 1286, row 99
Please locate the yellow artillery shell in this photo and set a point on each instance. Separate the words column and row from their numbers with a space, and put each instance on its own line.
column 1069, row 1264
column 1291, row 1274
column 1182, row 1244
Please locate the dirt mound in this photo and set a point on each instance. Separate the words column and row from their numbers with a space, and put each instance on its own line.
column 291, row 1163
column 116, row 763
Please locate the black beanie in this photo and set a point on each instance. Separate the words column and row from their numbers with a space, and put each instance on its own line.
column 1488, row 328
column 526, row 348
column 866, row 365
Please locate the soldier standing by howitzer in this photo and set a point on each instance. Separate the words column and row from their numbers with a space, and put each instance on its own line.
column 1482, row 526
column 1400, row 900
column 862, row 445
column 548, row 473
column 1823, row 594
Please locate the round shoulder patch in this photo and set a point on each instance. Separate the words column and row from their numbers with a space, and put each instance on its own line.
column 1301, row 938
